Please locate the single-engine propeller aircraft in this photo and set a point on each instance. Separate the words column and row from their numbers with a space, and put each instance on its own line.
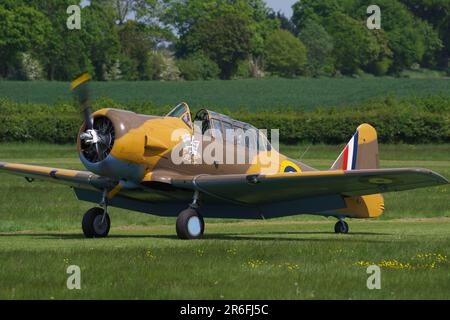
column 130, row 163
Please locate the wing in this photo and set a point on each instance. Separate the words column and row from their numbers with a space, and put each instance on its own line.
column 254, row 189
column 74, row 178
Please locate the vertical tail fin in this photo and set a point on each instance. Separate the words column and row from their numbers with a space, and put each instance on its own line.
column 361, row 152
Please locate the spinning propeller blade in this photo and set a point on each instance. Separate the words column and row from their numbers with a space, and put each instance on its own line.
column 80, row 88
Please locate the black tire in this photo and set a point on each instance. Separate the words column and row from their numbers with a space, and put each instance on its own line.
column 93, row 225
column 341, row 227
column 190, row 224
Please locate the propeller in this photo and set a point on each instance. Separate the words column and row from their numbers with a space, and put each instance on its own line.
column 80, row 88
column 98, row 137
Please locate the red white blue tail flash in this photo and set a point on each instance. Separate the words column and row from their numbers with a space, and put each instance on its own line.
column 350, row 153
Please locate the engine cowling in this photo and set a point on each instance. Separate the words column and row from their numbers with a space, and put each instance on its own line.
column 98, row 148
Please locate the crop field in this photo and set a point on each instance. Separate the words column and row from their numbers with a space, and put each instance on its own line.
column 288, row 258
column 252, row 94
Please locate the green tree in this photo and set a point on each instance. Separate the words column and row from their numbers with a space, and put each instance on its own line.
column 120, row 8
column 64, row 54
column 100, row 38
column 403, row 40
column 226, row 40
column 285, row 23
column 319, row 45
column 22, row 29
column 437, row 14
column 189, row 17
column 313, row 10
column 136, row 48
column 146, row 12
column 434, row 46
column 285, row 55
column 354, row 45
column 382, row 60
column 404, row 32
column 261, row 26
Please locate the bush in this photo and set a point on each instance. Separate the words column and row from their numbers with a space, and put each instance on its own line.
column 244, row 70
column 419, row 120
column 380, row 68
column 198, row 67
column 163, row 66
column 424, row 120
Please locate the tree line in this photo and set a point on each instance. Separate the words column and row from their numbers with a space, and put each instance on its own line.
column 226, row 39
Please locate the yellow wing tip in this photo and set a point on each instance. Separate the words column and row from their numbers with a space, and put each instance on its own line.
column 80, row 80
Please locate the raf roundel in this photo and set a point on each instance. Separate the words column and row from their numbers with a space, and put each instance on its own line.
column 288, row 166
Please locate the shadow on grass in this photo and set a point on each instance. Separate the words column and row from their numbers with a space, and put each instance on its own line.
column 254, row 236
column 272, row 236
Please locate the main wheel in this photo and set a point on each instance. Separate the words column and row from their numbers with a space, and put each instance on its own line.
column 95, row 224
column 341, row 227
column 190, row 224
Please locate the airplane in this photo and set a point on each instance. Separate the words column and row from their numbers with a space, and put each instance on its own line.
column 130, row 164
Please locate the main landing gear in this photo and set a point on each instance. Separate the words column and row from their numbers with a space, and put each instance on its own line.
column 190, row 224
column 96, row 221
column 341, row 227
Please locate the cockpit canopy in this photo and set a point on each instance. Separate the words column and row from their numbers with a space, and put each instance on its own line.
column 183, row 112
column 211, row 121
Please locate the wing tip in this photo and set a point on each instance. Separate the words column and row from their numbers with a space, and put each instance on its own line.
column 440, row 179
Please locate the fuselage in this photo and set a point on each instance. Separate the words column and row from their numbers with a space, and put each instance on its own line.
column 143, row 149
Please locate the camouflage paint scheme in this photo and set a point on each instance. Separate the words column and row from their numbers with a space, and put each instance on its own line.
column 138, row 174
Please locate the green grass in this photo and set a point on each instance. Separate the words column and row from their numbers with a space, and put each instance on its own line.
column 288, row 258
column 253, row 94
column 263, row 260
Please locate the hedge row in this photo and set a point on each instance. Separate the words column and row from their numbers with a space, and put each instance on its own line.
column 414, row 121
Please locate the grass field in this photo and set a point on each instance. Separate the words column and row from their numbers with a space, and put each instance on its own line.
column 252, row 94
column 287, row 258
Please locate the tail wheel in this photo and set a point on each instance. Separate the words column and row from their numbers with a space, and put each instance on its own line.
column 190, row 224
column 96, row 223
column 341, row 227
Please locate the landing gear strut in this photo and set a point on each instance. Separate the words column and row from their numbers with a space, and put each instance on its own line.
column 341, row 227
column 190, row 224
column 96, row 221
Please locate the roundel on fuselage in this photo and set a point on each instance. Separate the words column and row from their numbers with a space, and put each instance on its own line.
column 289, row 169
column 288, row 166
